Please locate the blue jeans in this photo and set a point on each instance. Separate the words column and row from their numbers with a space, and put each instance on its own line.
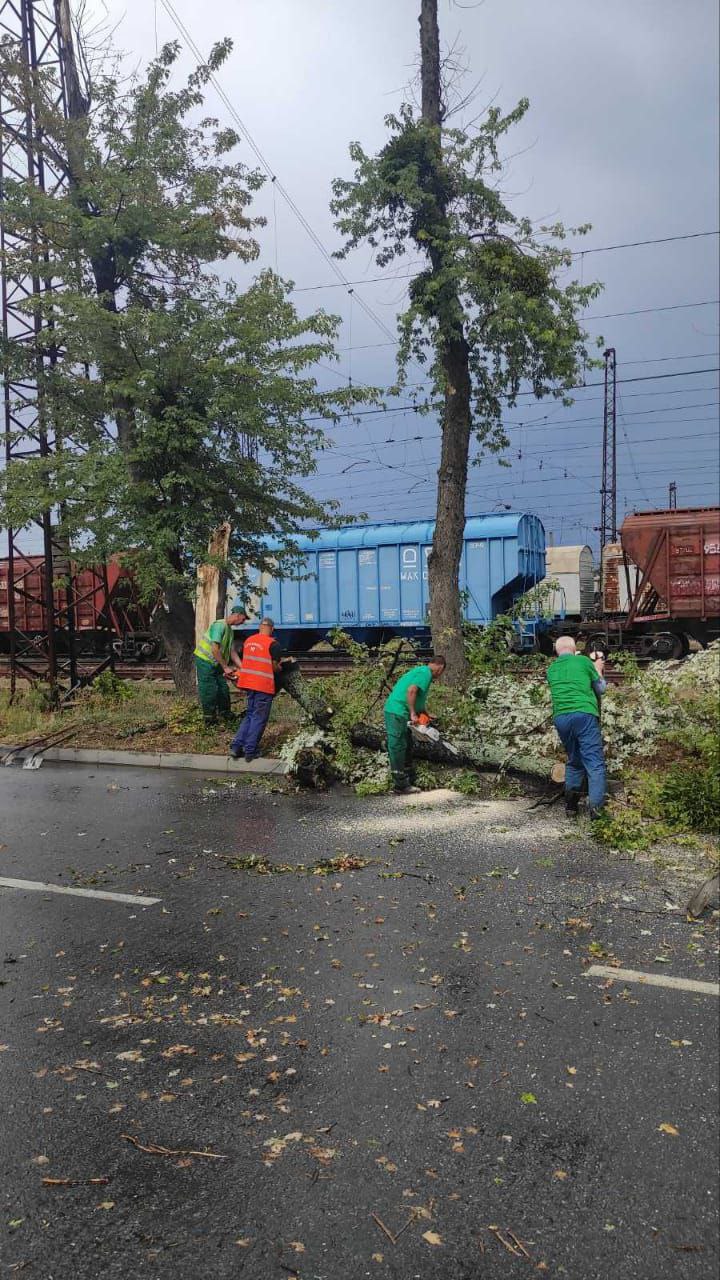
column 579, row 732
column 252, row 725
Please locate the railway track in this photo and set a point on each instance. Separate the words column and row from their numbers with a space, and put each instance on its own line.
column 312, row 665
column 125, row 670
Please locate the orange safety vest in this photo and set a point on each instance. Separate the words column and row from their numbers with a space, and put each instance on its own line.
column 257, row 670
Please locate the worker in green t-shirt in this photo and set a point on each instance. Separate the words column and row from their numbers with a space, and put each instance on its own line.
column 576, row 686
column 215, row 658
column 402, row 708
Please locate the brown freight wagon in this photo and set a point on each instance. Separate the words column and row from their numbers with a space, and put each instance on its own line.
column 104, row 600
column 670, row 575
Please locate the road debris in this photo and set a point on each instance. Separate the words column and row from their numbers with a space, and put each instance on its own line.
column 152, row 1149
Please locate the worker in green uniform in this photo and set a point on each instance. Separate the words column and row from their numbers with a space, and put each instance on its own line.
column 403, row 707
column 215, row 658
column 577, row 684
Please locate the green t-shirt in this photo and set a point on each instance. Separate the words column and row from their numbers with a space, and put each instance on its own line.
column 397, row 704
column 571, row 679
column 222, row 634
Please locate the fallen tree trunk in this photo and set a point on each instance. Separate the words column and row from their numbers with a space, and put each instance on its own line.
column 299, row 690
column 486, row 757
column 705, row 896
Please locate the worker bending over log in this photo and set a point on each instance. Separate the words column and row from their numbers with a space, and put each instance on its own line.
column 215, row 658
column 404, row 706
column 576, row 685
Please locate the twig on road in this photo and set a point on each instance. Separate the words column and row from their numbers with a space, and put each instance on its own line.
column 495, row 1231
column 386, row 1230
column 511, row 1236
column 75, row 1182
column 152, row 1149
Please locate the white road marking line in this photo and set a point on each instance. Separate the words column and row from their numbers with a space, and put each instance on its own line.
column 653, row 979
column 134, row 899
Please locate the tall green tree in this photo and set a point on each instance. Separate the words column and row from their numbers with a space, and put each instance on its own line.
column 489, row 313
column 182, row 400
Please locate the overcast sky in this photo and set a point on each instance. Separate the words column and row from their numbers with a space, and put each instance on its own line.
column 622, row 133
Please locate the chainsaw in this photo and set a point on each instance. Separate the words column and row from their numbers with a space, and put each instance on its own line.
column 424, row 731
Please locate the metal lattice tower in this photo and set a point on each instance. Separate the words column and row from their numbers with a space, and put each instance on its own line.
column 32, row 29
column 672, row 495
column 608, row 487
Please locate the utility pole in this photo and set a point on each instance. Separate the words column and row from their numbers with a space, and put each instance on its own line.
column 608, row 487
column 672, row 495
column 41, row 603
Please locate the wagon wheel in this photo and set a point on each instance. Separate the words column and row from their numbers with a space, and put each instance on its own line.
column 666, row 645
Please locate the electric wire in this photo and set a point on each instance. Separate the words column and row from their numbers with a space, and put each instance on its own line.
column 277, row 184
column 539, row 424
column 577, row 253
column 417, row 407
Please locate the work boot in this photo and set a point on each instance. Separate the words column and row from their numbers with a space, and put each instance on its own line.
column 595, row 814
column 572, row 800
column 409, row 790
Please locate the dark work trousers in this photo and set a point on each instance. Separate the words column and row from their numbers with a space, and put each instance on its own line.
column 213, row 691
column 252, row 725
column 399, row 745
column 579, row 732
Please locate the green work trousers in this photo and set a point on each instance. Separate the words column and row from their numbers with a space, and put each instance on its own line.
column 399, row 745
column 213, row 691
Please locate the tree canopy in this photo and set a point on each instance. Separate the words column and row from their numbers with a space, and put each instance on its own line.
column 485, row 271
column 182, row 400
column 490, row 312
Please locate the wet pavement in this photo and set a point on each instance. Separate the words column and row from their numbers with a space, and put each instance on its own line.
column 397, row 1070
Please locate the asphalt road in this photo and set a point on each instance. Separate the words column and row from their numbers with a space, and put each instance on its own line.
column 403, row 1067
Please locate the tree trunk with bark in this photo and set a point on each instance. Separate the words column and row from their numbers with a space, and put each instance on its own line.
column 211, row 583
column 444, row 560
column 446, row 553
column 476, row 757
column 174, row 622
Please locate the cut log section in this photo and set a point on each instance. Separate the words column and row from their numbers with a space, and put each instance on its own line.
column 486, row 757
column 291, row 681
column 707, row 895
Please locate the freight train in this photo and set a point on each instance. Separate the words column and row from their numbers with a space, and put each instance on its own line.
column 657, row 591
column 659, row 588
column 372, row 580
column 106, row 607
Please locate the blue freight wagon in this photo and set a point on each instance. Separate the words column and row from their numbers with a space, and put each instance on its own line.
column 372, row 579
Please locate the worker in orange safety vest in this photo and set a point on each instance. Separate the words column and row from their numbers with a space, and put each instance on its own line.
column 260, row 665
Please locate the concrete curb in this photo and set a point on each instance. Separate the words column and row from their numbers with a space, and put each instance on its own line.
column 153, row 760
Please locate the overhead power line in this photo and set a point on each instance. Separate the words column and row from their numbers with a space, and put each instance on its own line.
column 610, row 315
column 701, row 462
column 577, row 253
column 536, row 425
column 354, row 452
column 407, row 408
column 564, row 483
column 695, row 355
column 635, row 244
column 646, row 311
column 277, row 184
column 550, row 515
